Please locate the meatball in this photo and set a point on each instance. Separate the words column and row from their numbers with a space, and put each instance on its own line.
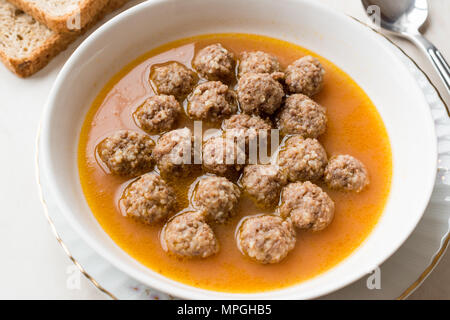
column 212, row 101
column 173, row 79
column 266, row 239
column 173, row 153
column 127, row 153
column 263, row 183
column 259, row 93
column 149, row 199
column 218, row 197
column 258, row 62
column 307, row 205
column 158, row 114
column 223, row 156
column 344, row 172
column 189, row 236
column 214, row 62
column 303, row 159
column 247, row 126
column 301, row 115
column 305, row 75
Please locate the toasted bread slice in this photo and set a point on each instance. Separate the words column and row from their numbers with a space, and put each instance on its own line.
column 26, row 46
column 62, row 15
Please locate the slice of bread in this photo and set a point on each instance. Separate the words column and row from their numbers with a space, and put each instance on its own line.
column 62, row 15
column 26, row 46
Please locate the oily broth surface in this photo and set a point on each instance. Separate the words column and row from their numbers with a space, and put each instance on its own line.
column 354, row 127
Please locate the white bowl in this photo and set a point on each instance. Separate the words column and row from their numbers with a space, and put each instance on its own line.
column 347, row 43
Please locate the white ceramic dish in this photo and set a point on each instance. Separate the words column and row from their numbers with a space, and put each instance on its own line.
column 348, row 44
column 401, row 274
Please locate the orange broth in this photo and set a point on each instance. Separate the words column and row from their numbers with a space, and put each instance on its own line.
column 354, row 128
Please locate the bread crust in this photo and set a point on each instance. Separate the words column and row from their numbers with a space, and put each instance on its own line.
column 68, row 23
column 116, row 4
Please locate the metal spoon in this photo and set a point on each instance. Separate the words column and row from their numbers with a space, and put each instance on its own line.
column 404, row 18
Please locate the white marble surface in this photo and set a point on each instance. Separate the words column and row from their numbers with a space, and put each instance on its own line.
column 33, row 266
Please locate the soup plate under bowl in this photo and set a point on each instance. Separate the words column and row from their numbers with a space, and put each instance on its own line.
column 350, row 45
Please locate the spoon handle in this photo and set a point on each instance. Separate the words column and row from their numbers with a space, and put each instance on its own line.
column 436, row 58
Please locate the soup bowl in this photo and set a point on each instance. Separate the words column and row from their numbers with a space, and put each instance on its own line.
column 352, row 46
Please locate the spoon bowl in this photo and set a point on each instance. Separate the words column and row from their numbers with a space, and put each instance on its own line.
column 400, row 16
column 404, row 18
